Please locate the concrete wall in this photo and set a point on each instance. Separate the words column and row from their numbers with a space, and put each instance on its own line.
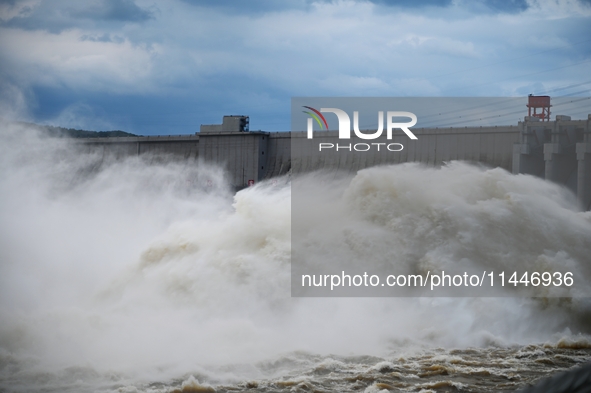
column 279, row 156
column 243, row 155
column 558, row 150
column 492, row 146
column 182, row 147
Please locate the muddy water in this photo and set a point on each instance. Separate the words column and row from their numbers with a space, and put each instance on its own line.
column 142, row 276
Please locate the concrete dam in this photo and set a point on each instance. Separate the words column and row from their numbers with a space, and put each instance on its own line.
column 558, row 150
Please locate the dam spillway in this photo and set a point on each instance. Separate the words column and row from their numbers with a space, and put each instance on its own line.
column 558, row 150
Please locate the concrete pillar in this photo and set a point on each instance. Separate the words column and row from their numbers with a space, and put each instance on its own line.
column 528, row 155
column 584, row 175
column 554, row 165
column 584, row 167
column 559, row 155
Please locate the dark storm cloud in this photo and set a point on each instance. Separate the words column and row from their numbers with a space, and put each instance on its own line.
column 253, row 6
column 115, row 10
column 474, row 6
column 491, row 5
column 56, row 16
column 414, row 4
column 261, row 6
column 506, row 5
column 469, row 6
column 167, row 66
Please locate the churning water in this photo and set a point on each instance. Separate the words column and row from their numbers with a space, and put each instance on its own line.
column 140, row 275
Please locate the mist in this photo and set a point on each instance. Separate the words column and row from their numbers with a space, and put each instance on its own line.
column 151, row 269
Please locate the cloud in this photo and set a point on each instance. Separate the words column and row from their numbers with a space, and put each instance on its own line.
column 494, row 6
column 106, row 37
column 265, row 6
column 251, row 6
column 270, row 5
column 435, row 45
column 507, row 5
column 117, row 10
column 193, row 62
column 560, row 9
column 343, row 84
column 59, row 15
column 10, row 9
column 76, row 61
column 414, row 4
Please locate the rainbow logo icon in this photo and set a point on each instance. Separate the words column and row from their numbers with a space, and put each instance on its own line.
column 317, row 116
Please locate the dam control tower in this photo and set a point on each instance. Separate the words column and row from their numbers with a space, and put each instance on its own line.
column 233, row 123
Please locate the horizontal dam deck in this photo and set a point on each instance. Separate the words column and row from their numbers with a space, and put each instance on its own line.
column 559, row 151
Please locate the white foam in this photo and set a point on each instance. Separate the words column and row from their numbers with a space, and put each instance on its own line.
column 137, row 269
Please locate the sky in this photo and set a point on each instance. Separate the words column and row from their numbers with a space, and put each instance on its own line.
column 155, row 67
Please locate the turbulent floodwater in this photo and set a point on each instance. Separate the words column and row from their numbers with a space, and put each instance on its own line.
column 492, row 369
column 147, row 275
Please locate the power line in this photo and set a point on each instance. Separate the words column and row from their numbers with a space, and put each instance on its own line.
column 563, row 88
column 508, row 60
column 524, row 75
